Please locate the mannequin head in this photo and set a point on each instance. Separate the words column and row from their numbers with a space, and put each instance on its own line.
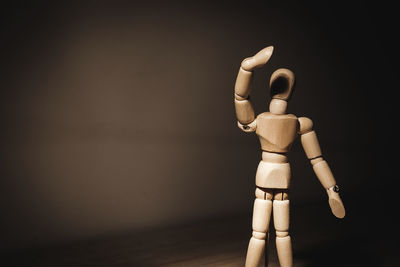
column 281, row 85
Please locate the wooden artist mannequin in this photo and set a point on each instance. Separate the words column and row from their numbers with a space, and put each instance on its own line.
column 277, row 131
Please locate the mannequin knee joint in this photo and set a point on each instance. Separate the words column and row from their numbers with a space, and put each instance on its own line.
column 282, row 233
column 259, row 235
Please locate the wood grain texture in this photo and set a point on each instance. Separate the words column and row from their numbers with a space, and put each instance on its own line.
column 324, row 174
column 276, row 132
column 221, row 241
column 244, row 111
column 273, row 175
column 282, row 83
column 243, row 83
column 311, row 145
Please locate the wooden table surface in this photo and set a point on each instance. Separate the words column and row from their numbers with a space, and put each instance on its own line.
column 317, row 241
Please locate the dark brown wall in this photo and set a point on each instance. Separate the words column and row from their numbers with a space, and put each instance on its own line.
column 119, row 116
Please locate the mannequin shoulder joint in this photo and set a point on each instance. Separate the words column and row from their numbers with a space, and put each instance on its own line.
column 305, row 125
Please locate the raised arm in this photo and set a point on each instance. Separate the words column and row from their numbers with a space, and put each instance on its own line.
column 312, row 149
column 243, row 107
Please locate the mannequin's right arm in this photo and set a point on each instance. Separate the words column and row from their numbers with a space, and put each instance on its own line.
column 243, row 107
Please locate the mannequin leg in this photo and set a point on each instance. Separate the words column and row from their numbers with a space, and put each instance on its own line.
column 281, row 223
column 261, row 218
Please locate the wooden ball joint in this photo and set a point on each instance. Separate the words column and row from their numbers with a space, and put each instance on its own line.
column 277, row 131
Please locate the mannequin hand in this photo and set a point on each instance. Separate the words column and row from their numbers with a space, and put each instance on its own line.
column 335, row 202
column 258, row 60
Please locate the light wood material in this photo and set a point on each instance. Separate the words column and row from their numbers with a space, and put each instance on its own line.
column 281, row 223
column 261, row 214
column 255, row 252
column 305, row 125
column 316, row 160
column 284, row 251
column 264, row 193
column 251, row 127
column 336, row 204
column 258, row 60
column 261, row 219
column 281, row 215
column 273, row 175
column 278, row 106
column 282, row 84
column 277, row 131
column 238, row 97
column 324, row 174
column 259, row 235
column 321, row 168
column 281, row 194
column 274, row 157
column 310, row 144
column 281, row 233
column 243, row 83
column 244, row 111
